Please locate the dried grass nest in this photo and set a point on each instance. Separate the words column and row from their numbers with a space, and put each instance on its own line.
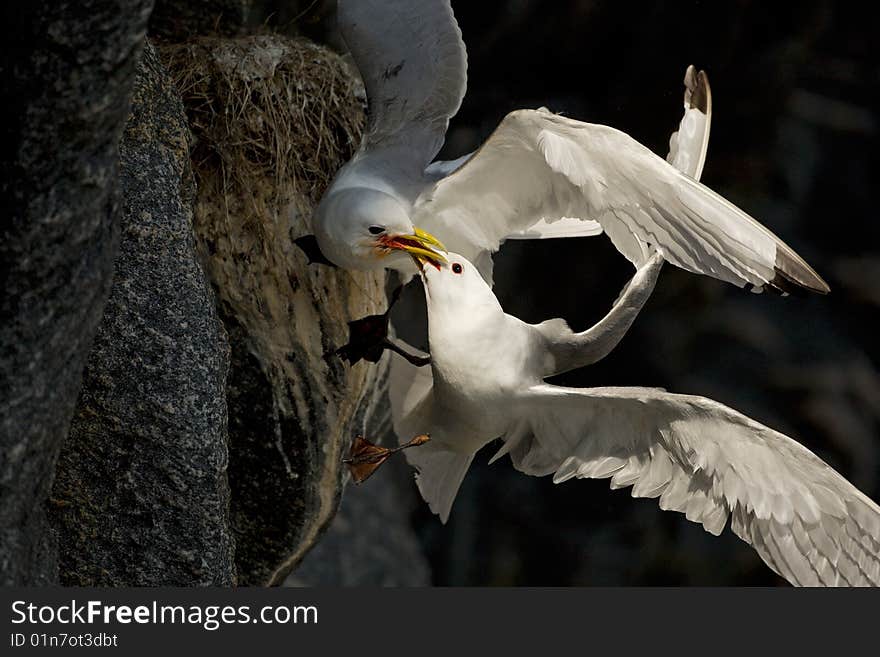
column 273, row 117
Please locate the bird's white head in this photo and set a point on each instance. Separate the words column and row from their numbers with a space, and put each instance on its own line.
column 365, row 229
column 456, row 288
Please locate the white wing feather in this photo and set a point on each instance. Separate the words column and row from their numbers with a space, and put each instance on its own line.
column 567, row 350
column 414, row 65
column 703, row 459
column 688, row 147
column 540, row 166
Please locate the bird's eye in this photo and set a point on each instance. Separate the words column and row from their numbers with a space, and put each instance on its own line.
column 457, row 268
column 376, row 230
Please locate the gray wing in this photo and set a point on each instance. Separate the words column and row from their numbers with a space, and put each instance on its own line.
column 570, row 350
column 807, row 522
column 413, row 62
column 687, row 153
column 410, row 395
column 539, row 166
column 689, row 144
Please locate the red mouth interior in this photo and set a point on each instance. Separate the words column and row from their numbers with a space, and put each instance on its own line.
column 400, row 242
column 423, row 261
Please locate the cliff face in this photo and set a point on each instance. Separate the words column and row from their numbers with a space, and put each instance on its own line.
column 66, row 74
column 197, row 458
column 192, row 431
column 274, row 118
column 141, row 493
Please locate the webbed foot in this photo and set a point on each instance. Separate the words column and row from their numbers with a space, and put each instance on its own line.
column 365, row 457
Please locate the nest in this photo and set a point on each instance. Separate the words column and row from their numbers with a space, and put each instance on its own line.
column 274, row 118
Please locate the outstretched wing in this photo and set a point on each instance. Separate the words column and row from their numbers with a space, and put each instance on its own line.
column 703, row 459
column 687, row 153
column 539, row 166
column 414, row 66
column 688, row 145
column 569, row 350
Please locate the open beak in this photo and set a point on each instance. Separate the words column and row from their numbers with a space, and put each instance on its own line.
column 421, row 245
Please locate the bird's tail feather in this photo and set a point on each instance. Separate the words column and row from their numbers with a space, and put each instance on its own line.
column 440, row 473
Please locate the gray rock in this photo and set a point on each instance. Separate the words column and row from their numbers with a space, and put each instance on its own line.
column 65, row 79
column 141, row 495
column 177, row 20
column 145, row 491
column 371, row 541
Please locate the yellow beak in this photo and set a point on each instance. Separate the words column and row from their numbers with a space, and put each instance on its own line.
column 421, row 245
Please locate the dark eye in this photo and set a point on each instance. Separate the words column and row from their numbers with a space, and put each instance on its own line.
column 457, row 268
column 376, row 230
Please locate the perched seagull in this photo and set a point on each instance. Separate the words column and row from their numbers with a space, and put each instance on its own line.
column 486, row 381
column 539, row 175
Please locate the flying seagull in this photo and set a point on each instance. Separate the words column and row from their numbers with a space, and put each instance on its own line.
column 539, row 175
column 701, row 458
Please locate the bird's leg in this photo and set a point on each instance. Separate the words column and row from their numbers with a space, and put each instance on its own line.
column 418, row 361
column 365, row 457
column 368, row 338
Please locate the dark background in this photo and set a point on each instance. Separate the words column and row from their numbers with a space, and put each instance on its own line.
column 794, row 143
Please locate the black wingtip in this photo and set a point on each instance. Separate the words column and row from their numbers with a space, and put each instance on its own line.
column 784, row 284
column 697, row 84
column 309, row 246
column 798, row 275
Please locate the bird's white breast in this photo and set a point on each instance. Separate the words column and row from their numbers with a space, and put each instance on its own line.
column 478, row 367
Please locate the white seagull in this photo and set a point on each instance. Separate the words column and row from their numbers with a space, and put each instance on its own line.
column 486, row 381
column 539, row 175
